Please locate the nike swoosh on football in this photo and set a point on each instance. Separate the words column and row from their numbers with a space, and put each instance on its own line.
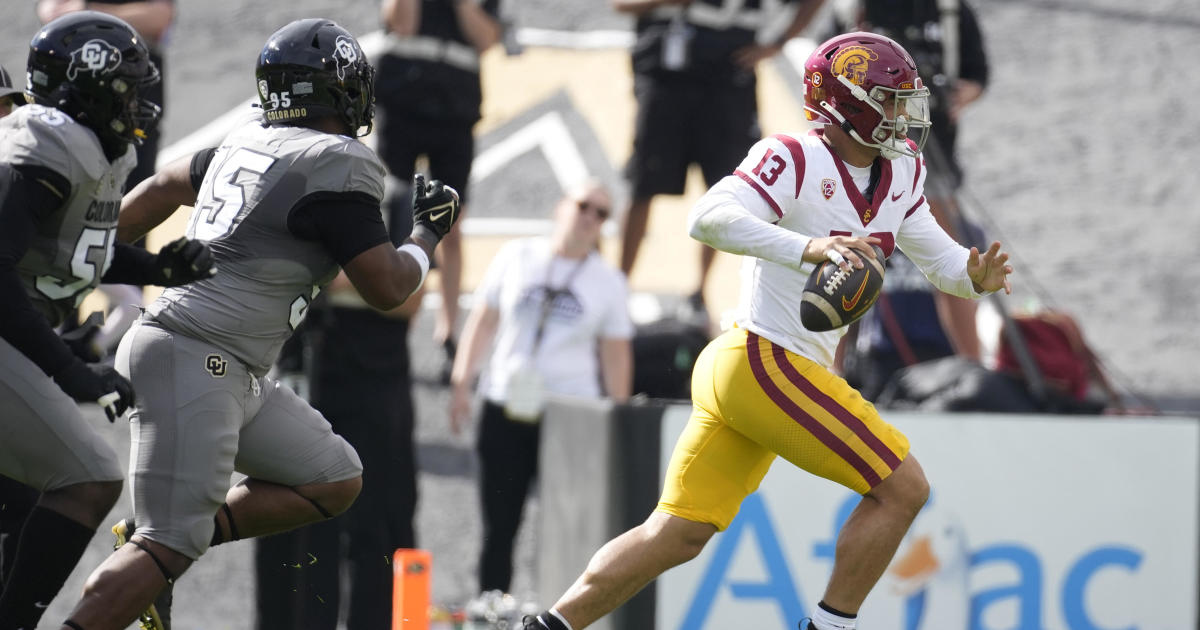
column 852, row 302
column 897, row 196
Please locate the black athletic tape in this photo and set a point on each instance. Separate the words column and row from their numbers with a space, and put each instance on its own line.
column 158, row 563
column 233, row 532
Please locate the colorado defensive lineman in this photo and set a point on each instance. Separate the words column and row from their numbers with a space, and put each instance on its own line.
column 764, row 388
column 63, row 163
column 288, row 197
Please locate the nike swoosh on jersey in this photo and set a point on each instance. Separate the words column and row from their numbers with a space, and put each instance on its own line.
column 849, row 304
column 897, row 196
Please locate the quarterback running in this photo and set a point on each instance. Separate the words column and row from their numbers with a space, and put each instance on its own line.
column 764, row 388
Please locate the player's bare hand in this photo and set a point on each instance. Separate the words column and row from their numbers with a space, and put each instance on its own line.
column 989, row 271
column 844, row 251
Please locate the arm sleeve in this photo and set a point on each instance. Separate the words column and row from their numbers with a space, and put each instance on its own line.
column 941, row 259
column 200, row 162
column 130, row 265
column 730, row 217
column 347, row 224
column 24, row 191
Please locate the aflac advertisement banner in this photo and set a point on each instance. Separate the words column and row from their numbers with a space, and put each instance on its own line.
column 1035, row 523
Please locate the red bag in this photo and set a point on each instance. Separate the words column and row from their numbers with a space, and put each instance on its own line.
column 1057, row 346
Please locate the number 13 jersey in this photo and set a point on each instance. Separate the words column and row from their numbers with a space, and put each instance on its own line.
column 798, row 183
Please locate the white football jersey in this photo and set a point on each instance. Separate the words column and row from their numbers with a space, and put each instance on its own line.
column 798, row 184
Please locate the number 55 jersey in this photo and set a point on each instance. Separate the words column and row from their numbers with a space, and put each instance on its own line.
column 254, row 209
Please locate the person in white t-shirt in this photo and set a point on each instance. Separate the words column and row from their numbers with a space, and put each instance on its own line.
column 764, row 389
column 557, row 313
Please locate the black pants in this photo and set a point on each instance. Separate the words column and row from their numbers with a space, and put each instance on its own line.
column 508, row 462
column 361, row 383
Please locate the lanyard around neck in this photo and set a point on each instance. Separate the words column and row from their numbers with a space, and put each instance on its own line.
column 550, row 295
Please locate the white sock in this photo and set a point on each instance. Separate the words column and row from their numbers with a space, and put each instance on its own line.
column 825, row 620
column 561, row 618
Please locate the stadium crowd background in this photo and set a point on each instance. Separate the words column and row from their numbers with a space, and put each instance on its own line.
column 1077, row 158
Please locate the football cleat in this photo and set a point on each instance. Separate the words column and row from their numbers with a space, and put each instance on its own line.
column 151, row 619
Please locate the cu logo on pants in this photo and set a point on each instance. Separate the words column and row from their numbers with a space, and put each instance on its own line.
column 215, row 365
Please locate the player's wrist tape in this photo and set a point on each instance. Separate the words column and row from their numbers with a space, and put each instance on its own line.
column 419, row 255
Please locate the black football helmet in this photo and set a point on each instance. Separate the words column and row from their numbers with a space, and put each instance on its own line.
column 313, row 68
column 94, row 67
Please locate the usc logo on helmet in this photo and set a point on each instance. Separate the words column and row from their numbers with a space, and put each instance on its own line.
column 852, row 62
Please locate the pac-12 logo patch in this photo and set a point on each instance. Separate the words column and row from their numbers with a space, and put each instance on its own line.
column 216, row 365
column 96, row 56
column 828, row 187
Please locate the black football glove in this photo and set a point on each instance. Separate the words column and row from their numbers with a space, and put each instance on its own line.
column 435, row 207
column 182, row 261
column 98, row 383
column 82, row 340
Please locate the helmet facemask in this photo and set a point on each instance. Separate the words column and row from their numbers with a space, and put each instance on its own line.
column 902, row 131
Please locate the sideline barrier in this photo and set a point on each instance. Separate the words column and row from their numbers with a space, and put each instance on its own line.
column 411, row 589
column 1035, row 522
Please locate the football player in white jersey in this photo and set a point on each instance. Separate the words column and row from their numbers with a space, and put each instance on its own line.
column 64, row 159
column 764, row 388
column 288, row 198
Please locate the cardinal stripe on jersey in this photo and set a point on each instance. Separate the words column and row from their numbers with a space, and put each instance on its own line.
column 753, row 184
column 797, row 151
column 917, row 174
column 758, row 351
column 915, row 206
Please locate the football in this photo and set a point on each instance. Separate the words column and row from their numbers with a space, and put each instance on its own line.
column 834, row 298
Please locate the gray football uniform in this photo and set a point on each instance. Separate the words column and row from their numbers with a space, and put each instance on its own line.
column 71, row 250
column 199, row 356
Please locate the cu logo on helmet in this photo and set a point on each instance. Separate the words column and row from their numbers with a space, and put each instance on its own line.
column 95, row 56
column 345, row 54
